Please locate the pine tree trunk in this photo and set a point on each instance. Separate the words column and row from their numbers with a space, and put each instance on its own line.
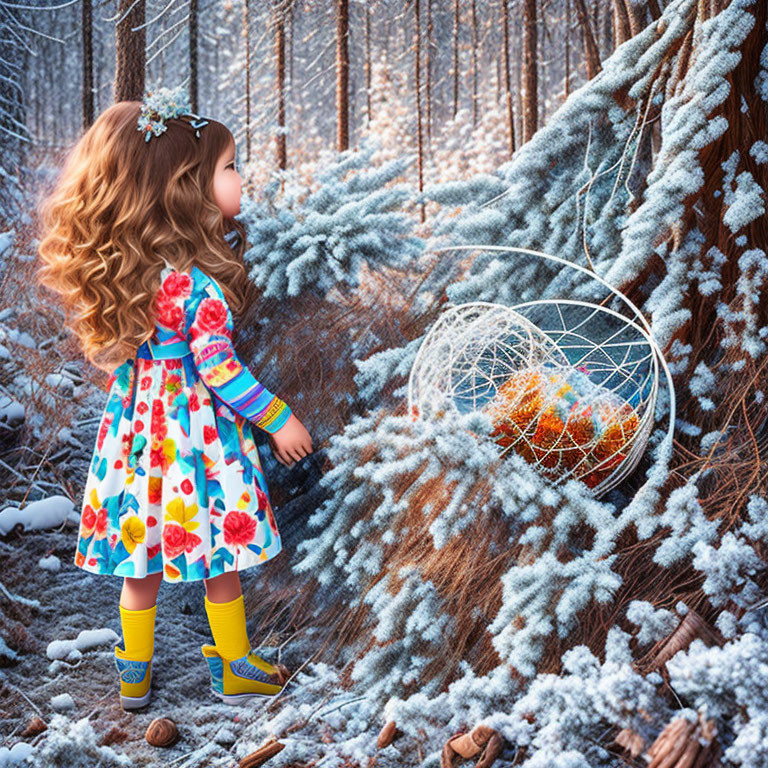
column 508, row 76
column 428, row 73
column 130, row 51
column 417, row 68
column 654, row 9
column 279, row 24
column 706, row 211
column 517, row 46
column 455, row 57
column 290, row 45
column 193, row 82
column 368, row 82
column 567, row 48
column 530, row 70
column 247, row 36
column 607, row 32
column 342, row 75
column 475, row 46
column 622, row 31
column 591, row 52
column 87, row 32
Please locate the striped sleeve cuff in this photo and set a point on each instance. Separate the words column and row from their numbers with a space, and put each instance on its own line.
column 275, row 416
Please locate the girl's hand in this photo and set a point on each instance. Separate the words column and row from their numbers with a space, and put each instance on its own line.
column 291, row 442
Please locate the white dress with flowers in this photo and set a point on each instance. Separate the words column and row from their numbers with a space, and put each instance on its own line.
column 175, row 482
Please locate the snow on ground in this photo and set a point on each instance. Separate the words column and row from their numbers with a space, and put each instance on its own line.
column 64, row 673
column 38, row 515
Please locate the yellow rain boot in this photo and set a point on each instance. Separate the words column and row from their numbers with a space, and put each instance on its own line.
column 134, row 662
column 237, row 674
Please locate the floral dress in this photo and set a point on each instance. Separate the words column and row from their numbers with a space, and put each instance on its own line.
column 175, row 483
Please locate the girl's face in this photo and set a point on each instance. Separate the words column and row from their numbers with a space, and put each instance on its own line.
column 226, row 183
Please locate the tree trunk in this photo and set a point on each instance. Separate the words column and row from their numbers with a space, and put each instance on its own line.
column 368, row 81
column 247, row 35
column 530, row 71
column 193, row 83
column 621, row 27
column 455, row 57
column 342, row 75
column 419, row 140
column 87, row 26
column 507, row 76
column 567, row 48
column 475, row 46
column 607, row 32
column 290, row 45
column 591, row 52
column 130, row 51
column 428, row 73
column 279, row 23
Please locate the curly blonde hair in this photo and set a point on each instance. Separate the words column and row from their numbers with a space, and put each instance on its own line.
column 119, row 208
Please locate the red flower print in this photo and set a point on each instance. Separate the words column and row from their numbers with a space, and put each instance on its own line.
column 151, row 520
column 177, row 284
column 142, row 407
column 146, row 383
column 139, row 426
column 87, row 520
column 211, row 317
column 193, row 540
column 209, row 434
column 261, row 499
column 174, row 540
column 239, row 528
column 173, row 383
column 194, row 401
column 169, row 314
column 158, row 457
column 101, row 523
column 152, row 551
column 108, row 418
column 186, row 486
column 126, row 446
column 159, row 427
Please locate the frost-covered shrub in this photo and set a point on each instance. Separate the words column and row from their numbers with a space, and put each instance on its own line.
column 316, row 238
column 386, row 503
column 559, row 719
column 654, row 623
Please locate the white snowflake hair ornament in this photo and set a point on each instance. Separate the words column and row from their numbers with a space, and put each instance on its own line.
column 160, row 105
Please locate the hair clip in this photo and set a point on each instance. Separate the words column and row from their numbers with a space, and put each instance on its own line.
column 233, row 238
column 197, row 124
column 163, row 104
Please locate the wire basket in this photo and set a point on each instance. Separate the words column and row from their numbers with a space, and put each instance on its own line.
column 569, row 385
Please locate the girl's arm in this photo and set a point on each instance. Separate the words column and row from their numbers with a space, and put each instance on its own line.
column 209, row 326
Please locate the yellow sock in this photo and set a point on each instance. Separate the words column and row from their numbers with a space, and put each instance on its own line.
column 227, row 622
column 138, row 632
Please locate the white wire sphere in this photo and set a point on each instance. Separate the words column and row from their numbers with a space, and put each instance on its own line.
column 595, row 361
column 468, row 353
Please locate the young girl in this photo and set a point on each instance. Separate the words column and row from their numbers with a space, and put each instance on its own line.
column 140, row 241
